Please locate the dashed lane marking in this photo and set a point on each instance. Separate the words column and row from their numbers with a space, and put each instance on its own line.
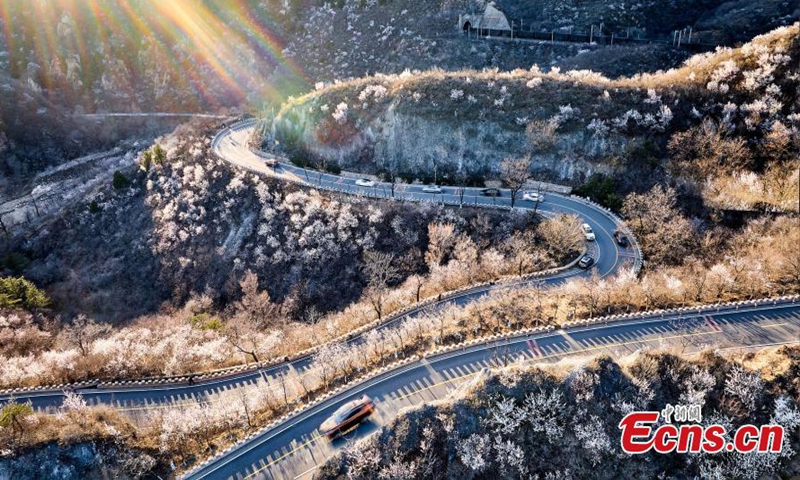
column 471, row 374
column 775, row 325
column 713, row 324
column 314, row 438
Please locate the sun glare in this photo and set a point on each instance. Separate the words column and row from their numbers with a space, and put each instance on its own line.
column 199, row 41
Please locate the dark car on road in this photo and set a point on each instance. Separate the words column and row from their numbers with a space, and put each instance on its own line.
column 586, row 261
column 621, row 238
column 491, row 192
column 347, row 417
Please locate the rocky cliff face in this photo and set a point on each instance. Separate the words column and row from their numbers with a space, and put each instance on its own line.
column 574, row 123
column 416, row 145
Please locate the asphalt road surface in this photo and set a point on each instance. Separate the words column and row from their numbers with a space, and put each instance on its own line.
column 231, row 146
column 295, row 449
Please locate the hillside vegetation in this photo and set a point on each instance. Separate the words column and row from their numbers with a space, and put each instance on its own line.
column 739, row 107
column 560, row 421
column 59, row 60
column 181, row 250
column 351, row 38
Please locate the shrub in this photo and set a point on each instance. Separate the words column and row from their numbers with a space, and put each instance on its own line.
column 15, row 262
column 333, row 168
column 147, row 160
column 300, row 159
column 17, row 293
column 159, row 154
column 643, row 154
column 120, row 181
column 601, row 189
column 204, row 321
column 13, row 415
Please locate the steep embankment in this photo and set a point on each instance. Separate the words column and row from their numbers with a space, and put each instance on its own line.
column 575, row 123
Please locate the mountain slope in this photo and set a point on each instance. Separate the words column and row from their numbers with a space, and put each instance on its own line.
column 575, row 123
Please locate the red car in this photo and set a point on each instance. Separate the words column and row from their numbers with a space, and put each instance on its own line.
column 347, row 417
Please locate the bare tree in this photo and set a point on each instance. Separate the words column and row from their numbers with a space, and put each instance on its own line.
column 708, row 149
column 391, row 175
column 591, row 294
column 461, row 181
column 82, row 331
column 243, row 335
column 461, row 191
column 541, row 135
column 246, row 398
column 525, row 254
column 304, row 379
column 417, row 282
column 515, row 172
column 254, row 311
column 283, row 384
column 376, row 341
column 465, row 252
column 312, row 316
column 562, row 235
column 254, row 306
column 441, row 237
column 665, row 235
column 380, row 272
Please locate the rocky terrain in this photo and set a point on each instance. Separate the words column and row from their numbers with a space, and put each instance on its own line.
column 79, row 461
column 575, row 123
column 205, row 56
column 560, row 421
column 128, row 249
column 191, row 225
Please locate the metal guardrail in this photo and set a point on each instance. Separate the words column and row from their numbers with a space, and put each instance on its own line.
column 590, row 38
column 443, row 350
column 217, row 373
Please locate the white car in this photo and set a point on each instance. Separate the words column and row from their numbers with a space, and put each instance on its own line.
column 432, row 189
column 587, row 232
column 533, row 196
column 363, row 182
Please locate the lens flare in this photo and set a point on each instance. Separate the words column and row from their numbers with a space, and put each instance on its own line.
column 225, row 51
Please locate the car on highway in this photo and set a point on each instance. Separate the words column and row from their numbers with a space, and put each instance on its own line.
column 491, row 192
column 588, row 232
column 432, row 189
column 347, row 417
column 586, row 261
column 363, row 182
column 621, row 238
column 533, row 196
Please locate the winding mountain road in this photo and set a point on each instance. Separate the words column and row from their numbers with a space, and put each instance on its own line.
column 230, row 145
column 293, row 448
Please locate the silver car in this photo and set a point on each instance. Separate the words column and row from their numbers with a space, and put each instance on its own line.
column 363, row 182
column 588, row 232
column 533, row 196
